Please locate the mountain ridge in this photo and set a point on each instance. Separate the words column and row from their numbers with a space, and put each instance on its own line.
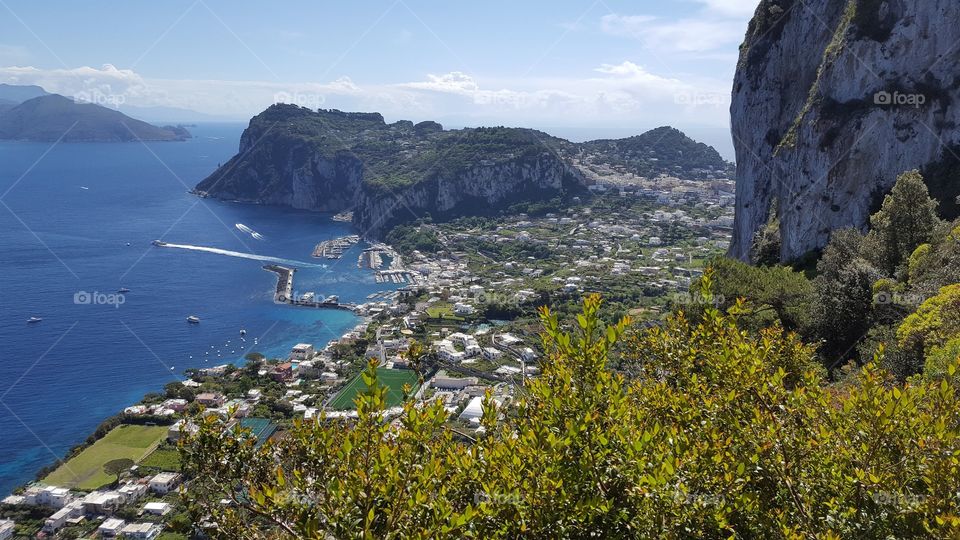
column 53, row 117
column 331, row 160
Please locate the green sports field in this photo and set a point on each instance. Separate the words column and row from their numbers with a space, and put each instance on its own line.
column 393, row 379
column 85, row 471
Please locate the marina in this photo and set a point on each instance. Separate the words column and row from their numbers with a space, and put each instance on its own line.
column 334, row 249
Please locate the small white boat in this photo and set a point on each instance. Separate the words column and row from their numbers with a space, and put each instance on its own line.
column 123, row 290
column 32, row 320
column 243, row 332
column 193, row 319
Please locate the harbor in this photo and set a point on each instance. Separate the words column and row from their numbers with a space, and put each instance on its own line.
column 334, row 249
column 284, row 293
column 380, row 255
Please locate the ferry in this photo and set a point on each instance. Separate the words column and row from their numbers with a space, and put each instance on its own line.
column 193, row 319
column 32, row 320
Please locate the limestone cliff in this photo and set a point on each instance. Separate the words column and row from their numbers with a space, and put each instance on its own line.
column 330, row 160
column 832, row 99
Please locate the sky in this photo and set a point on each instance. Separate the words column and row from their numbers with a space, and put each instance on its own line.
column 579, row 69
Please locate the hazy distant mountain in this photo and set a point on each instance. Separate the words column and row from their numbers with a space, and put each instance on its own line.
column 13, row 94
column 53, row 117
column 6, row 105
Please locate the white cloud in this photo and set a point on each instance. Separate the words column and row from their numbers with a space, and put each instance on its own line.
column 732, row 8
column 694, row 35
column 619, row 95
column 712, row 29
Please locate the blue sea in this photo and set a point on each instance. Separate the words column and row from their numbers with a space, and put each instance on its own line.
column 76, row 225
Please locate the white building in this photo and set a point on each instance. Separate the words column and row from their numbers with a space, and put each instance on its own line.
column 141, row 531
column 508, row 339
column 132, row 492
column 492, row 354
column 453, row 383
column 56, row 522
column 301, row 352
column 102, row 502
column 164, row 482
column 52, row 496
column 111, row 528
column 473, row 411
column 156, row 508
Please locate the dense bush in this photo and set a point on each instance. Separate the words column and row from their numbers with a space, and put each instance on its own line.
column 719, row 434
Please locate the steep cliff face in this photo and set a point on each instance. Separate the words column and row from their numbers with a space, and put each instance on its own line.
column 832, row 100
column 387, row 173
column 477, row 190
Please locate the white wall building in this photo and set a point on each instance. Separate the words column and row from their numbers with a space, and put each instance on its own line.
column 164, row 482
column 301, row 352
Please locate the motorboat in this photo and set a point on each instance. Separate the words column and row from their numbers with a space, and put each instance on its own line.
column 193, row 319
column 32, row 320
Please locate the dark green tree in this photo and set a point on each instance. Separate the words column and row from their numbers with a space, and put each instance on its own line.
column 117, row 467
column 843, row 297
column 906, row 220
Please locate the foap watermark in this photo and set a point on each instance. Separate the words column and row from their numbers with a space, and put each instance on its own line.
column 95, row 298
column 698, row 499
column 701, row 99
column 497, row 499
column 103, row 99
column 899, row 500
column 697, row 299
column 886, row 298
column 301, row 99
column 898, row 99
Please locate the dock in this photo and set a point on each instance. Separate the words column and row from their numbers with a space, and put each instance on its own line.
column 284, row 293
column 334, row 249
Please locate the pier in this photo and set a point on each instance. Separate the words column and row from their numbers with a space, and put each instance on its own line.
column 284, row 293
column 334, row 249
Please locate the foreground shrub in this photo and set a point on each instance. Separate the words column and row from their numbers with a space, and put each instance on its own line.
column 717, row 433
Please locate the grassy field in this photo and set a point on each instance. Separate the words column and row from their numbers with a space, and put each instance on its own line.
column 165, row 458
column 85, row 471
column 393, row 379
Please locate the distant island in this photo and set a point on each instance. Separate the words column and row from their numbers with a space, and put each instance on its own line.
column 388, row 174
column 31, row 114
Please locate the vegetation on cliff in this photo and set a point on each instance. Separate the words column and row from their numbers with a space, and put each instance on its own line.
column 894, row 286
column 347, row 155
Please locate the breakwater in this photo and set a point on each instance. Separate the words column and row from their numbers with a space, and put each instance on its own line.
column 285, row 294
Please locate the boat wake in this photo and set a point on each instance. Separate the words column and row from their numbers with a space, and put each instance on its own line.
column 243, row 228
column 241, row 255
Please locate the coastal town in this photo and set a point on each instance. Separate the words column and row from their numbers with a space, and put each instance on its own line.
column 466, row 290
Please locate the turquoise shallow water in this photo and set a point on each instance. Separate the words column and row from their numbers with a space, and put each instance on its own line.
column 68, row 213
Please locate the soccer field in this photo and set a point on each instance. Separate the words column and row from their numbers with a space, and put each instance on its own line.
column 85, row 471
column 393, row 379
